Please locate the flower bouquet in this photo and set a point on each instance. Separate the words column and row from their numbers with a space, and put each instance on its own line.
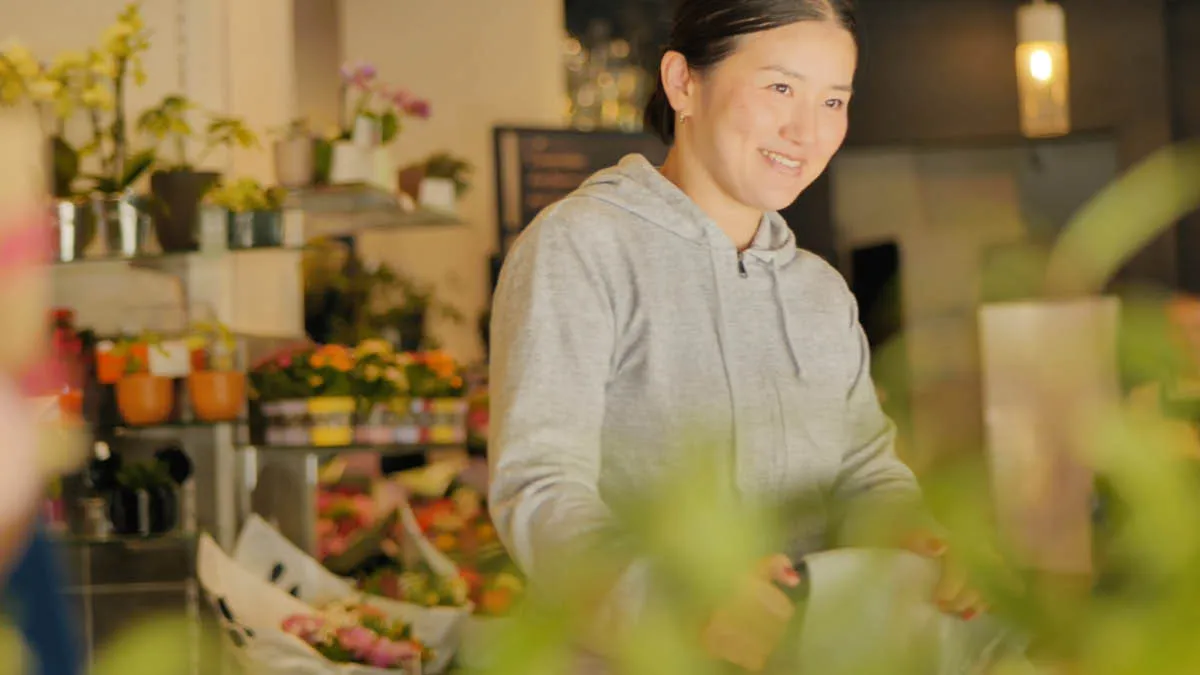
column 352, row 631
column 459, row 527
column 419, row 586
column 274, row 633
column 340, row 517
column 270, row 557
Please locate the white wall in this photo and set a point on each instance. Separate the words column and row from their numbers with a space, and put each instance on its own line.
column 480, row 62
column 945, row 208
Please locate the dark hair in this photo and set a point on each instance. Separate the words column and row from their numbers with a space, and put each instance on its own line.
column 706, row 32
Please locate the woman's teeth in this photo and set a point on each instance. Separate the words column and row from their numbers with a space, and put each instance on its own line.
column 781, row 159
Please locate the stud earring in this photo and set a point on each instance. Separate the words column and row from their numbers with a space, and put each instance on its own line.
column 683, row 117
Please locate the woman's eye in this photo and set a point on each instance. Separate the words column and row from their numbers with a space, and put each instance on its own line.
column 785, row 89
column 835, row 103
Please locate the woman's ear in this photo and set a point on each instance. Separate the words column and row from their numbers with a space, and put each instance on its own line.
column 678, row 83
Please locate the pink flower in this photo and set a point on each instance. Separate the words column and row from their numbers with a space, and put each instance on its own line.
column 325, row 501
column 332, row 546
column 389, row 654
column 303, row 626
column 418, row 108
column 399, row 97
column 284, row 361
column 359, row 76
column 358, row 640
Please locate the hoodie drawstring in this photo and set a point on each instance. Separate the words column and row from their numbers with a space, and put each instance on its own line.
column 783, row 316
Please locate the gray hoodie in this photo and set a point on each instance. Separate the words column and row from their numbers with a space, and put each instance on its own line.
column 626, row 327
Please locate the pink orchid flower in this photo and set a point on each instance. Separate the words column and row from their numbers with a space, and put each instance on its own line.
column 358, row 640
column 418, row 108
column 389, row 654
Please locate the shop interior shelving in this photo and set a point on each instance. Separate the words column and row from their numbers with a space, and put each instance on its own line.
column 229, row 468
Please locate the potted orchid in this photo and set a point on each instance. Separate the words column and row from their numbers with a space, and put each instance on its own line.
column 178, row 187
column 372, row 114
column 94, row 84
column 294, row 153
column 113, row 210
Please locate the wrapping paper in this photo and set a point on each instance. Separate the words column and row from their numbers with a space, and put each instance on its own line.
column 269, row 557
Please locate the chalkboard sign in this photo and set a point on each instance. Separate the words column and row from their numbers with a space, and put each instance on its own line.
column 537, row 167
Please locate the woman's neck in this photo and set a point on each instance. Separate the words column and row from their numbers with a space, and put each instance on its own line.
column 738, row 221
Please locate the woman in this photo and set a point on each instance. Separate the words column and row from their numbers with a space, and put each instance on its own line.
column 653, row 298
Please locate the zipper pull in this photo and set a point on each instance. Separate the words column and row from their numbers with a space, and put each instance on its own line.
column 742, row 267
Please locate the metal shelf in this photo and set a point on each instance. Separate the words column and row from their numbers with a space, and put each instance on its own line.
column 343, row 210
column 388, row 449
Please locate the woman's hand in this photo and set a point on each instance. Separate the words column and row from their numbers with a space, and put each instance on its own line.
column 954, row 595
column 746, row 631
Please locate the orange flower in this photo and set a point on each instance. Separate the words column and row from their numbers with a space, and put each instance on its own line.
column 332, row 356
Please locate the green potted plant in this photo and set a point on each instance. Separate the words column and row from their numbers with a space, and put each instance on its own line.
column 178, row 186
column 144, row 500
column 438, row 167
column 254, row 212
column 295, row 159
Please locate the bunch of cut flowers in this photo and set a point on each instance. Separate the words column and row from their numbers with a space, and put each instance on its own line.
column 352, row 631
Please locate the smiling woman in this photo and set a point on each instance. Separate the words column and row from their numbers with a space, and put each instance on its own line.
column 659, row 305
column 753, row 97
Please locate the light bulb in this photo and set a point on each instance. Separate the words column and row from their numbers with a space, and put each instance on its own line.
column 1041, row 65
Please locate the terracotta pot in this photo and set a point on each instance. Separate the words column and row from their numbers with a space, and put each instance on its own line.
column 217, row 395
column 409, row 180
column 110, row 367
column 145, row 399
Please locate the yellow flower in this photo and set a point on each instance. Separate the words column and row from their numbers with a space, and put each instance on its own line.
column 394, row 374
column 68, row 61
column 372, row 348
column 98, row 97
column 11, row 90
column 372, row 373
column 116, row 39
column 44, row 90
column 315, row 380
column 102, row 64
column 23, row 62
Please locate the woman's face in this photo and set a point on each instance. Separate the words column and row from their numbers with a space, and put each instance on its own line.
column 767, row 119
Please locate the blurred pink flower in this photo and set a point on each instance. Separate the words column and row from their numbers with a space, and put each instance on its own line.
column 332, row 546
column 303, row 626
column 388, row 654
column 418, row 108
column 358, row 640
column 359, row 75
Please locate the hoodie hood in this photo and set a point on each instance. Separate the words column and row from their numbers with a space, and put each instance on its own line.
column 636, row 186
